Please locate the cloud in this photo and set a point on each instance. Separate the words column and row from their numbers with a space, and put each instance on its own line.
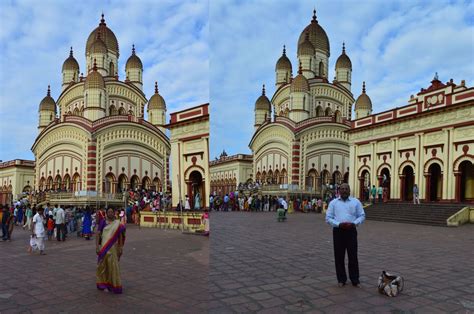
column 172, row 40
column 395, row 46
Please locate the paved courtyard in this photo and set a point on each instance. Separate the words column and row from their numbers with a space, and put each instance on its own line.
column 163, row 271
column 251, row 263
column 259, row 265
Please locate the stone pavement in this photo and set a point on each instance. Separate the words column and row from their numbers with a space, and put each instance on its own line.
column 251, row 263
column 259, row 265
column 163, row 271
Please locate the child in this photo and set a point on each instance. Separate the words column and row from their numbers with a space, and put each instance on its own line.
column 205, row 220
column 33, row 246
column 50, row 227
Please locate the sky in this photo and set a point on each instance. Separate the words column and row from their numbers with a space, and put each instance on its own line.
column 395, row 46
column 222, row 51
column 171, row 39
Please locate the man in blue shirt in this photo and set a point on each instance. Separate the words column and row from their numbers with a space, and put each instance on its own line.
column 344, row 214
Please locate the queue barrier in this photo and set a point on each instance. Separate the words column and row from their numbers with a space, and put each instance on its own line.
column 187, row 221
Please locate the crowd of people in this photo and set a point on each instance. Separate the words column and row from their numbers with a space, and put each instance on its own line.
column 264, row 203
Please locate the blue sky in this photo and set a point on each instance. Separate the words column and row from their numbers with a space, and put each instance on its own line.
column 222, row 51
column 171, row 38
column 395, row 46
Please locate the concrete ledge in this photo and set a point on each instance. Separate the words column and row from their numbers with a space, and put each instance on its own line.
column 463, row 216
column 188, row 221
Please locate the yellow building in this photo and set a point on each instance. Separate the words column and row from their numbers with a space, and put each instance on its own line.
column 16, row 177
column 95, row 137
column 306, row 145
column 429, row 142
column 190, row 155
column 228, row 172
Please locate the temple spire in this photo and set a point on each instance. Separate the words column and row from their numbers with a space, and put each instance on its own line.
column 263, row 90
column 284, row 50
column 363, row 87
column 133, row 49
column 343, row 47
column 70, row 52
column 156, row 87
column 314, row 16
column 49, row 91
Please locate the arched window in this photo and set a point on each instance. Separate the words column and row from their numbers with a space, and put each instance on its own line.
column 111, row 68
column 321, row 68
column 328, row 112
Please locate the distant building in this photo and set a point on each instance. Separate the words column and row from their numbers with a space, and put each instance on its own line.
column 16, row 179
column 227, row 172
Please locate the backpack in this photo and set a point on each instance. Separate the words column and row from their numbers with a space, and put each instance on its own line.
column 389, row 284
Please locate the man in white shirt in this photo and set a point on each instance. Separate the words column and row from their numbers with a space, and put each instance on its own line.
column 344, row 214
column 60, row 220
column 38, row 231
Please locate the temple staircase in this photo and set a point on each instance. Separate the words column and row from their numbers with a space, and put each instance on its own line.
column 433, row 214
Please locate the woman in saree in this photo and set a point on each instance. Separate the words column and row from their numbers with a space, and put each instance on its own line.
column 87, row 224
column 110, row 239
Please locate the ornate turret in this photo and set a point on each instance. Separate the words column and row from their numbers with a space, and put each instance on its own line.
column 318, row 38
column 47, row 110
column 300, row 97
column 363, row 104
column 134, row 69
column 94, row 95
column 157, row 110
column 70, row 71
column 344, row 69
column 306, row 54
column 105, row 50
column 283, row 69
column 263, row 109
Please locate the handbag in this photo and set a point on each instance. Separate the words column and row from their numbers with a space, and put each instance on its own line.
column 389, row 284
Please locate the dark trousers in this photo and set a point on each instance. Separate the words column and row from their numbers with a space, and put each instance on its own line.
column 346, row 239
column 60, row 232
column 5, row 234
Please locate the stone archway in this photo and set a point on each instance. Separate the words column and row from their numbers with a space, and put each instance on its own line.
column 109, row 183
column 466, row 184
column 195, row 185
column 434, row 183
column 134, row 182
column 122, row 183
column 407, row 180
column 385, row 180
column 364, row 185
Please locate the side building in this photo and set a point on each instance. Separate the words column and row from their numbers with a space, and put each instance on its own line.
column 429, row 142
column 16, row 179
column 230, row 172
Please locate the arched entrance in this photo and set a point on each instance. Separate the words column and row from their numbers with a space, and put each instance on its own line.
column 336, row 177
column 156, row 184
column 434, row 183
column 195, row 186
column 311, row 180
column 146, row 183
column 67, row 182
column 407, row 181
column 122, row 183
column 384, row 181
column 134, row 182
column 364, row 185
column 109, row 183
column 76, row 182
column 346, row 177
column 466, row 186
